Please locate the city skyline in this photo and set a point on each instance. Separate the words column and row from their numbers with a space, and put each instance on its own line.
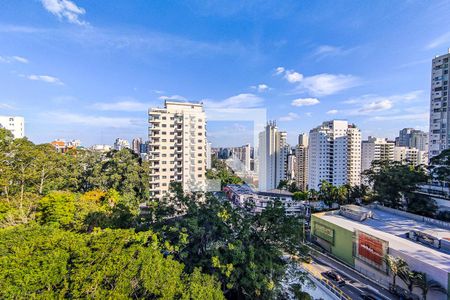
column 96, row 75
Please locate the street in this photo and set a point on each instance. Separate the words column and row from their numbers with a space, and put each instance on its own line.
column 355, row 285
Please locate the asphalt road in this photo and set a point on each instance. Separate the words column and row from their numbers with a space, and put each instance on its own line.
column 356, row 285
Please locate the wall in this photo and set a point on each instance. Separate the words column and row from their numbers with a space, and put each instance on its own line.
column 343, row 240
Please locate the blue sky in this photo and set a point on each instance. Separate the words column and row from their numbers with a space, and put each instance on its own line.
column 90, row 69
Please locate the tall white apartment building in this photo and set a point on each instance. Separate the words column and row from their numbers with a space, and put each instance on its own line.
column 439, row 113
column 14, row 124
column 136, row 145
column 272, row 161
column 334, row 154
column 208, row 156
column 120, row 144
column 177, row 147
column 301, row 168
column 410, row 137
column 410, row 155
column 376, row 149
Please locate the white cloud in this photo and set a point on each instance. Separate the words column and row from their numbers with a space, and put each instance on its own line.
column 45, row 78
column 6, row 106
column 376, row 106
column 260, row 87
column 321, row 84
column 289, row 117
column 123, row 106
column 279, row 70
column 246, row 100
column 173, row 97
column 308, row 114
column 401, row 117
column 65, row 9
column 95, row 121
column 332, row 112
column 305, row 102
column 328, row 84
column 329, row 51
column 439, row 41
column 11, row 59
column 293, row 76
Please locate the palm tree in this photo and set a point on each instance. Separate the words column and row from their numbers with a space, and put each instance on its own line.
column 408, row 277
column 421, row 281
column 396, row 265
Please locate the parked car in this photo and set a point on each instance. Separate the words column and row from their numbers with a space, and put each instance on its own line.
column 335, row 277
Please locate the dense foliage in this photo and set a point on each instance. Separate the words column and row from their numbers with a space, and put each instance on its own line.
column 395, row 185
column 222, row 172
column 46, row 262
column 71, row 226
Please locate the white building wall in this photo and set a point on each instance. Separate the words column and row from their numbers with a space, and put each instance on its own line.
column 14, row 124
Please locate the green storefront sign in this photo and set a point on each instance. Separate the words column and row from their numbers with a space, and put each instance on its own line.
column 324, row 232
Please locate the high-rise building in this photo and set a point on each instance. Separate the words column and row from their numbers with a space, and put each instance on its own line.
column 177, row 147
column 410, row 137
column 120, row 144
column 334, row 154
column 208, row 156
column 409, row 155
column 376, row 149
column 136, row 145
column 301, row 157
column 272, row 160
column 439, row 113
column 14, row 124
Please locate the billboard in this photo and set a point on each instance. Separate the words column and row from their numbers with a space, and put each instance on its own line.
column 371, row 249
column 324, row 232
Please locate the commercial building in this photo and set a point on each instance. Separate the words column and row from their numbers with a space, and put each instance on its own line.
column 14, row 124
column 120, row 144
column 362, row 236
column 177, row 147
column 334, row 154
column 243, row 194
column 439, row 113
column 301, row 160
column 374, row 149
column 272, row 160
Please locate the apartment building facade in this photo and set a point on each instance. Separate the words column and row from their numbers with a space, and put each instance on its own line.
column 301, row 160
column 374, row 149
column 439, row 114
column 177, row 147
column 14, row 124
column 273, row 154
column 334, row 154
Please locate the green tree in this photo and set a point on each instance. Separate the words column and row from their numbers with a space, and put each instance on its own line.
column 48, row 263
column 393, row 181
column 396, row 266
column 243, row 250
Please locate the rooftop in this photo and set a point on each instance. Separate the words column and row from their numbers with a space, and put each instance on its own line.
column 394, row 228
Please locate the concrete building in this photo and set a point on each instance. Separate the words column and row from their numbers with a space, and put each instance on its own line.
column 374, row 149
column 439, row 113
column 136, row 145
column 120, row 144
column 101, row 148
column 362, row 236
column 241, row 195
column 14, row 124
column 301, row 160
column 411, row 156
column 177, row 147
column 272, row 160
column 413, row 138
column 334, row 154
column 208, row 156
